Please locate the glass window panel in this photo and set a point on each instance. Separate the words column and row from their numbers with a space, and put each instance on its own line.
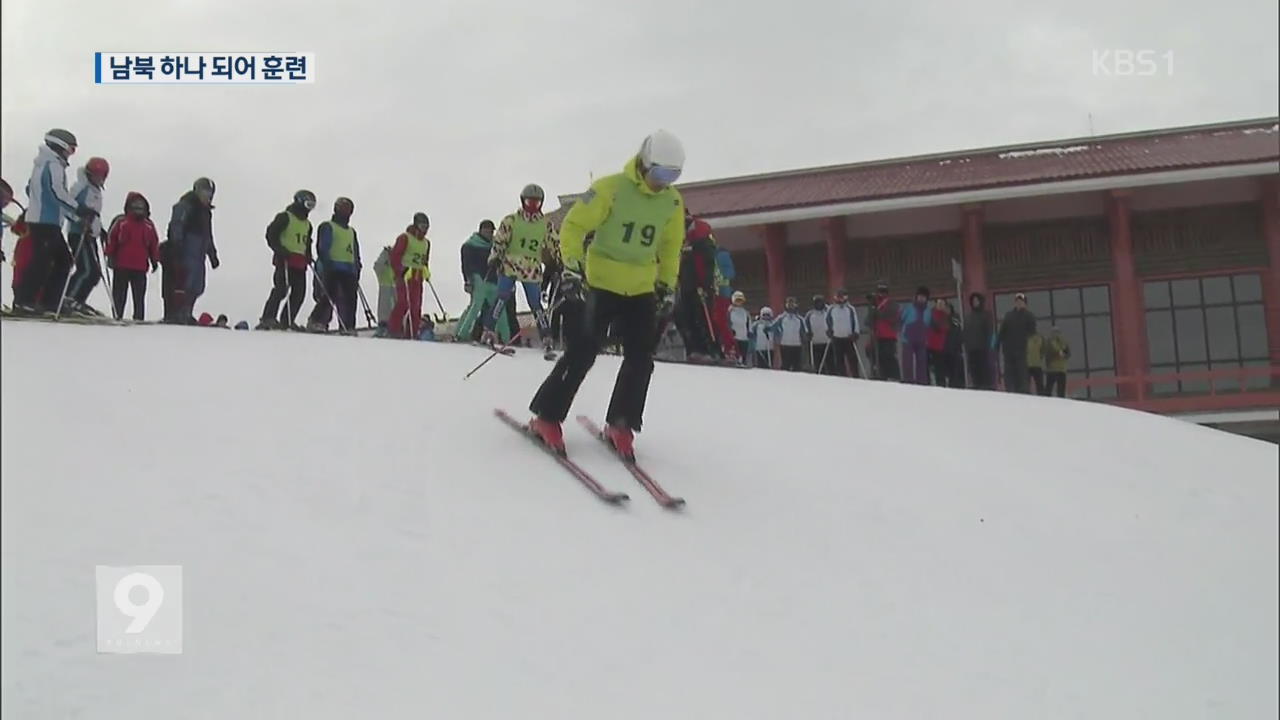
column 1098, row 336
column 1189, row 325
column 1253, row 331
column 1097, row 299
column 1073, row 331
column 1261, row 382
column 1222, row 333
column 1066, row 302
column 1226, row 385
column 1155, row 294
column 1163, row 388
column 1038, row 303
column 1004, row 303
column 1185, row 292
column 1160, row 337
column 1194, row 386
column 1102, row 392
column 1217, row 290
column 1248, row 288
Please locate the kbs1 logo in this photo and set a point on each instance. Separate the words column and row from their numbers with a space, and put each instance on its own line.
column 1132, row 63
column 213, row 68
column 139, row 609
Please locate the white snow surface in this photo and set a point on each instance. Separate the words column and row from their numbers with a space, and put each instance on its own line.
column 360, row 537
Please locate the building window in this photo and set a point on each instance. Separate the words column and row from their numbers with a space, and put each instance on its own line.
column 1207, row 323
column 1083, row 314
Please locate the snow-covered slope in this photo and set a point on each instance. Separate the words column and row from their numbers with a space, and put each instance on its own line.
column 361, row 538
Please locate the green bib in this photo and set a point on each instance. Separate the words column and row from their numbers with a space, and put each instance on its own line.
column 343, row 249
column 294, row 237
column 415, row 251
column 630, row 233
column 527, row 237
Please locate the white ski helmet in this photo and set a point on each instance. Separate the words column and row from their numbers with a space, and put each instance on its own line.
column 766, row 311
column 738, row 297
column 662, row 158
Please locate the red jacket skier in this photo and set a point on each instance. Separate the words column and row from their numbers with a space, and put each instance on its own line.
column 409, row 257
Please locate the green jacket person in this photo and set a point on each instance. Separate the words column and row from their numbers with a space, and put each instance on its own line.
column 637, row 218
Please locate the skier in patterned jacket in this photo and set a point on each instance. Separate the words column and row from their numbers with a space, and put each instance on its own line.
column 517, row 258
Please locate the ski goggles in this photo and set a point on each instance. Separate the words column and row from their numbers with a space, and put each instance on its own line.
column 309, row 203
column 662, row 175
column 423, row 227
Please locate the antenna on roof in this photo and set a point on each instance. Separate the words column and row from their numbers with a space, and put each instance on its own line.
column 1091, row 133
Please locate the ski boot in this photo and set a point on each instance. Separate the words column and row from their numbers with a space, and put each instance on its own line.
column 316, row 327
column 549, row 433
column 266, row 324
column 548, row 350
column 489, row 338
column 622, row 439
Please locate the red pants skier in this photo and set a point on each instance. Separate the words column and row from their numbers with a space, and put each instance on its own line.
column 406, row 316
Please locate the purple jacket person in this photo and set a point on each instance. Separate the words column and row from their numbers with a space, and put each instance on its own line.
column 915, row 322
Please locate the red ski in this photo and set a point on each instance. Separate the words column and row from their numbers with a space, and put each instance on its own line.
column 665, row 500
column 613, row 498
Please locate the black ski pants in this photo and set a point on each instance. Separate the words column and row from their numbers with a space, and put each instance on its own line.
column 46, row 275
column 286, row 281
column 120, row 286
column 634, row 318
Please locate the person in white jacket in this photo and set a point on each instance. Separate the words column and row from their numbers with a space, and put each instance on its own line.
column 49, row 204
column 83, row 236
column 842, row 332
column 762, row 338
column 815, row 325
column 740, row 324
column 788, row 331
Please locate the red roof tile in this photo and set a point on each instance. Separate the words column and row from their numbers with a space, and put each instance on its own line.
column 1159, row 150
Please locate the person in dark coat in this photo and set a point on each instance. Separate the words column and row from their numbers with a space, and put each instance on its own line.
column 1016, row 329
column 954, row 349
column 190, row 238
column 695, row 292
column 979, row 334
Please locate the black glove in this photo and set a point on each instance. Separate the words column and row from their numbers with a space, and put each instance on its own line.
column 213, row 262
column 154, row 265
column 666, row 302
column 571, row 286
column 466, row 287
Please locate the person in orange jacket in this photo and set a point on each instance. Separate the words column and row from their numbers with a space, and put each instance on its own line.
column 409, row 257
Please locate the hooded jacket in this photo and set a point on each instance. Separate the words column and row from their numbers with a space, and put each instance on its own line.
column 475, row 257
column 652, row 251
column 190, row 230
column 698, row 261
column 50, row 201
column 133, row 243
column 979, row 329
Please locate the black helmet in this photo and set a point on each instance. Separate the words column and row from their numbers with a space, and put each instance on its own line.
column 61, row 141
column 532, row 190
column 486, row 224
column 305, row 198
column 205, row 185
column 343, row 206
column 420, row 218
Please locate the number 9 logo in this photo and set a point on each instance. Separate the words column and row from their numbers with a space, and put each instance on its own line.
column 141, row 614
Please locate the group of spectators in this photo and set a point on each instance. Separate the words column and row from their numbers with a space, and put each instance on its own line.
column 925, row 341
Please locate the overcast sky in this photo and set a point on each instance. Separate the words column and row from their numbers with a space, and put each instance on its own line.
column 451, row 106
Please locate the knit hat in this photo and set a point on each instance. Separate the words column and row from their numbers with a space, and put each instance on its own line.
column 922, row 290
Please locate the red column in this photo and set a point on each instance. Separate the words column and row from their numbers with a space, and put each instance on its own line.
column 1271, row 284
column 1128, row 321
column 837, row 238
column 975, row 262
column 775, row 253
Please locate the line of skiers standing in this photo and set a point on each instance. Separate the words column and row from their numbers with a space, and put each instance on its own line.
column 54, row 273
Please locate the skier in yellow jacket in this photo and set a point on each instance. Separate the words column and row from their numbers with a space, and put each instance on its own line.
column 637, row 218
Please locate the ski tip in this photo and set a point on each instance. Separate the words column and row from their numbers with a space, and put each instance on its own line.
column 674, row 504
column 618, row 498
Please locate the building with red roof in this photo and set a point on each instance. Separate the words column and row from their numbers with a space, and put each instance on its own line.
column 1157, row 253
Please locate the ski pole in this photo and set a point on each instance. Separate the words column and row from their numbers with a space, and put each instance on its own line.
column 102, row 270
column 369, row 317
column 327, row 297
column 825, row 350
column 74, row 255
column 519, row 331
column 862, row 366
column 444, row 315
